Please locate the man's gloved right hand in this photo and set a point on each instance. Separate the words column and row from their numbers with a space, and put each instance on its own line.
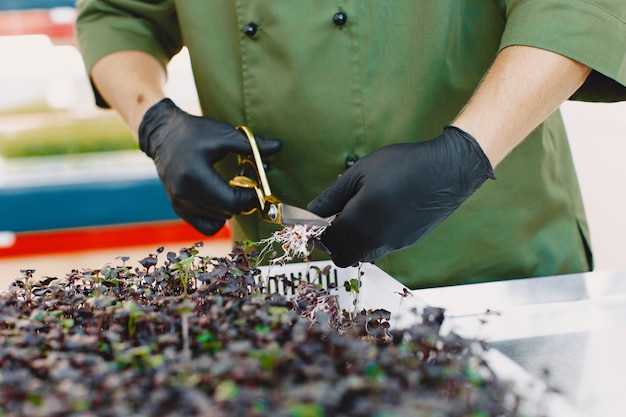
column 396, row 195
column 184, row 149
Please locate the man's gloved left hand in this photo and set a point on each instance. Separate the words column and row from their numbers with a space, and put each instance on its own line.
column 395, row 196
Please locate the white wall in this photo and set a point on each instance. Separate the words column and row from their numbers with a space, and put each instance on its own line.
column 597, row 134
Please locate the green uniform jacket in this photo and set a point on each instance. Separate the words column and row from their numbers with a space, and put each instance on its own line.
column 394, row 71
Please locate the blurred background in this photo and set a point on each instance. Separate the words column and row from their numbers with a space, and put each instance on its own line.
column 75, row 192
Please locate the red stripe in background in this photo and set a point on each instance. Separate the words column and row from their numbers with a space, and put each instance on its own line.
column 107, row 237
column 27, row 22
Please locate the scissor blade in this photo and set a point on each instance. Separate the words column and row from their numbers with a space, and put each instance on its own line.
column 294, row 215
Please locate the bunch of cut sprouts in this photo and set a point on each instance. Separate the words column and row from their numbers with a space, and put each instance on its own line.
column 294, row 240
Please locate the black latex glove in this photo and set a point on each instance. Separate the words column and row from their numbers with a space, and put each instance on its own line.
column 395, row 196
column 184, row 149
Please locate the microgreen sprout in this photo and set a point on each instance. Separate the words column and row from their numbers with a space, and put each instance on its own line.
column 405, row 293
column 353, row 286
column 133, row 314
column 26, row 279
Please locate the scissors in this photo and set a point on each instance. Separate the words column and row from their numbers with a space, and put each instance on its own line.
column 271, row 208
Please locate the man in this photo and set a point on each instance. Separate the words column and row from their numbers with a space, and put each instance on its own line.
column 338, row 84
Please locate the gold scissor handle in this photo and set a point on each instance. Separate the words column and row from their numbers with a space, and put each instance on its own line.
column 256, row 159
column 242, row 181
column 267, row 201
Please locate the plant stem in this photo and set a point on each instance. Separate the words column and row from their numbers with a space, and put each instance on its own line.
column 185, row 325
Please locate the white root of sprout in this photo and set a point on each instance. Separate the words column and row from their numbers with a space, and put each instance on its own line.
column 293, row 240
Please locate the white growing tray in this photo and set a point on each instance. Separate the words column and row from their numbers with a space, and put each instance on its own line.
column 379, row 290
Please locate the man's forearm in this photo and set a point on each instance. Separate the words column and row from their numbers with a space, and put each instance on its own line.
column 523, row 87
column 131, row 82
